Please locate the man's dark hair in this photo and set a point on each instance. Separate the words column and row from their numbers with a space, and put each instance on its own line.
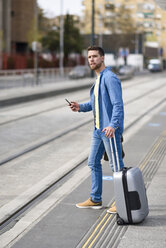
column 96, row 48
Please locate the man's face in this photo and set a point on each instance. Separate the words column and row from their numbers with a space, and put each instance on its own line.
column 95, row 60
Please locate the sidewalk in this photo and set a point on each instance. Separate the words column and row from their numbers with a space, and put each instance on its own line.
column 22, row 94
column 152, row 232
column 30, row 93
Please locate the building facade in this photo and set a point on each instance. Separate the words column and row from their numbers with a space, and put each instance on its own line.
column 22, row 24
column 5, row 25
column 147, row 17
column 16, row 21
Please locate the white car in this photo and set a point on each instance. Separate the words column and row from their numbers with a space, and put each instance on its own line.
column 80, row 71
column 155, row 65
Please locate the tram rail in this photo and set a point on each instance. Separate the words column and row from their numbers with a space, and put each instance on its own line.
column 11, row 216
column 51, row 138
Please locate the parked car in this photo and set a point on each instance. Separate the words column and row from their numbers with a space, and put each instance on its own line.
column 80, row 71
column 126, row 70
column 155, row 65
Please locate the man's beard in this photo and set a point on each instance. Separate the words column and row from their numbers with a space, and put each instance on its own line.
column 95, row 67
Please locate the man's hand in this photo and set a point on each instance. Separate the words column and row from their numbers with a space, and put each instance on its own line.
column 109, row 132
column 74, row 106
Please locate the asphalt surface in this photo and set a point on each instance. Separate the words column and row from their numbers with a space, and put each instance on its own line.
column 66, row 226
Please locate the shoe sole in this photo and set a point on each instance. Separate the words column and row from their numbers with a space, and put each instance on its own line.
column 111, row 212
column 92, row 207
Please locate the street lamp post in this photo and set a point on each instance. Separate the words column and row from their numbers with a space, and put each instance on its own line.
column 93, row 23
column 61, row 41
column 1, row 14
column 35, row 50
column 93, row 29
column 101, row 19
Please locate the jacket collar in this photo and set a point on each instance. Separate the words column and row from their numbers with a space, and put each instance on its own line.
column 101, row 73
column 106, row 69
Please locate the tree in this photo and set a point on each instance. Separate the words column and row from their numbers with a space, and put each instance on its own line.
column 73, row 41
column 38, row 30
column 50, row 41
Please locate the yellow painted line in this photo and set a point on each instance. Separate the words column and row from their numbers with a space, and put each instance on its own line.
column 97, row 227
column 99, row 231
column 152, row 152
column 142, row 166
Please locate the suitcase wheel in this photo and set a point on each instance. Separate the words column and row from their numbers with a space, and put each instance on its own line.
column 120, row 221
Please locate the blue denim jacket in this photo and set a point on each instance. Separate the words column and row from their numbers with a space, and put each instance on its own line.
column 111, row 111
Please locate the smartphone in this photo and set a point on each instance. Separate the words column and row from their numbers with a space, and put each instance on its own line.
column 68, row 102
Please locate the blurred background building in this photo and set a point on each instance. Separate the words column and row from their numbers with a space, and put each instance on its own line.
column 22, row 21
column 143, row 21
column 16, row 23
column 135, row 26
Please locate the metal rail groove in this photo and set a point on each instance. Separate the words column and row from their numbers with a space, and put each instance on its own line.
column 46, row 141
column 60, row 106
column 42, row 143
column 36, row 114
column 52, row 139
column 73, row 128
column 14, row 217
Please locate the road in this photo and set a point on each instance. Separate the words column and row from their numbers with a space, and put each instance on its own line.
column 43, row 138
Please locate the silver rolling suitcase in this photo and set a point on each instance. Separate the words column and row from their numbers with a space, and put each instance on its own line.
column 130, row 193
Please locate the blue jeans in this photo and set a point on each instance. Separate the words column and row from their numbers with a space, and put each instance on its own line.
column 100, row 144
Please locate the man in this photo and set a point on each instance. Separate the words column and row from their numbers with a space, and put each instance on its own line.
column 107, row 105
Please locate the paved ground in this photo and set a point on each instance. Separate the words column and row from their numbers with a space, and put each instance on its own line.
column 64, row 225
column 152, row 232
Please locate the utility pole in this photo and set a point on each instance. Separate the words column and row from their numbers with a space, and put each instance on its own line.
column 93, row 24
column 101, row 25
column 1, row 15
column 36, row 46
column 93, row 30
column 61, row 41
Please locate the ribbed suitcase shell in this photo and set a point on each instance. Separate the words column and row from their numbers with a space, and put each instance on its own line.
column 130, row 193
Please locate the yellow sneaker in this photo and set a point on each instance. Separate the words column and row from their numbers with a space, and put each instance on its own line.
column 112, row 210
column 89, row 204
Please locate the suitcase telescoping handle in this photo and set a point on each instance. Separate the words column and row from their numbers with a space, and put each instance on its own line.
column 114, row 154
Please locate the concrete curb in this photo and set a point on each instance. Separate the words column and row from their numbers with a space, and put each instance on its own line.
column 19, row 202
column 33, row 93
column 15, row 205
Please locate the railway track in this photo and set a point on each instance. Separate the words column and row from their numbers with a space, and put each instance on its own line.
column 5, row 222
column 53, row 137
column 126, row 85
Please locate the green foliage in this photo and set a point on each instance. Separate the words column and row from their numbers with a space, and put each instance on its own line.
column 73, row 41
column 39, row 29
column 50, row 41
column 45, row 63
